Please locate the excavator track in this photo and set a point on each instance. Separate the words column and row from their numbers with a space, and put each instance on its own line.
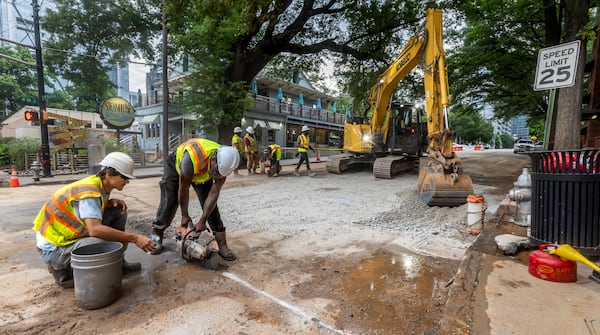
column 338, row 163
column 389, row 166
column 438, row 189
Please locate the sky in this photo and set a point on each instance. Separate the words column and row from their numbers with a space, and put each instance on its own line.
column 137, row 77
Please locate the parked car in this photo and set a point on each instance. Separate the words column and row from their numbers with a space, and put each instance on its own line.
column 539, row 145
column 524, row 145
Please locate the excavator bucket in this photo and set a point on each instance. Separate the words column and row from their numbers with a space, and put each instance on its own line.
column 438, row 189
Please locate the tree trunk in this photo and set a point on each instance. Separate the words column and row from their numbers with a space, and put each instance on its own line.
column 568, row 115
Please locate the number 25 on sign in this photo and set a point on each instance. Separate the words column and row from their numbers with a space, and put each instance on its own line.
column 557, row 66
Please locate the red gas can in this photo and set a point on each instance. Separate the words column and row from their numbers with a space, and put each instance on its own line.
column 551, row 267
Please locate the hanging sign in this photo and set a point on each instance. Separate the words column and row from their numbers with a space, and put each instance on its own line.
column 117, row 113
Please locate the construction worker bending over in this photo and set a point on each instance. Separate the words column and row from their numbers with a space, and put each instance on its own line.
column 204, row 165
column 238, row 144
column 251, row 150
column 303, row 146
column 82, row 213
column 272, row 153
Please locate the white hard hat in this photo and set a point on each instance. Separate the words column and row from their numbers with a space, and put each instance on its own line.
column 119, row 161
column 228, row 159
column 237, row 129
column 305, row 128
column 250, row 130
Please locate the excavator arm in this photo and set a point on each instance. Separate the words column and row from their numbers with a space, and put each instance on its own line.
column 381, row 93
column 441, row 181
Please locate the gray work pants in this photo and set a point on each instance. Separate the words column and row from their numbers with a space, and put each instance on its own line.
column 60, row 259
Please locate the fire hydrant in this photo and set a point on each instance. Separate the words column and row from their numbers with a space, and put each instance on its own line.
column 36, row 167
column 521, row 193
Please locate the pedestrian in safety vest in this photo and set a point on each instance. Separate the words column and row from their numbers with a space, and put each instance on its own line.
column 83, row 213
column 273, row 153
column 251, row 150
column 303, row 146
column 238, row 144
column 204, row 165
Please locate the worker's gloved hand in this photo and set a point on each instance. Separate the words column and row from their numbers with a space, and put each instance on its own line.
column 297, row 154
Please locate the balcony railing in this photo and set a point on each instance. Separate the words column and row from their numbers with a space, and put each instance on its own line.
column 272, row 105
column 275, row 106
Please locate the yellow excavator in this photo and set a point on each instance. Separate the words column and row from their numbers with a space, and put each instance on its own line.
column 400, row 137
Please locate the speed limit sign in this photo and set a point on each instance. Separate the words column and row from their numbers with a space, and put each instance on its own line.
column 557, row 66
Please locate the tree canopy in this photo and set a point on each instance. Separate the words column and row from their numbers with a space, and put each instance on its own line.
column 492, row 51
column 231, row 41
column 17, row 80
column 86, row 38
column 496, row 63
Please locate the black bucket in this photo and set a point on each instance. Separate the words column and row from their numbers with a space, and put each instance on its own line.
column 97, row 270
column 565, row 206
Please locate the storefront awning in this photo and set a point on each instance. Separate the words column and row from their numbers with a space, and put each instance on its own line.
column 274, row 125
column 184, row 117
column 260, row 123
column 149, row 119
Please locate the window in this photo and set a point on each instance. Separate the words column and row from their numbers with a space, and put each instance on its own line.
column 152, row 130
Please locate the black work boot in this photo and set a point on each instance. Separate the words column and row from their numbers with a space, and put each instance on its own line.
column 224, row 250
column 63, row 278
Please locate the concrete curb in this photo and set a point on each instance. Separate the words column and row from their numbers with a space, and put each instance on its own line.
column 469, row 283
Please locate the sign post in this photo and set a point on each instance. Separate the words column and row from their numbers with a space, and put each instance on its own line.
column 557, row 66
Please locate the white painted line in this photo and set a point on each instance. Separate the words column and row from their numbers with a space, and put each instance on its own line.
column 287, row 305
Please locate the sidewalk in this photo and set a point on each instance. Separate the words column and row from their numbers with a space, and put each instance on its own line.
column 494, row 293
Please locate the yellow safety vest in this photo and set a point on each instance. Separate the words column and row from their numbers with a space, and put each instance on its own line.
column 238, row 143
column 303, row 143
column 57, row 220
column 275, row 151
column 199, row 150
column 253, row 145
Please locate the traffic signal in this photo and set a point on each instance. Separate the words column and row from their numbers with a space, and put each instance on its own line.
column 32, row 116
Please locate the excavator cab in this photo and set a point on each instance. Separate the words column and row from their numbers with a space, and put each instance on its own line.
column 408, row 133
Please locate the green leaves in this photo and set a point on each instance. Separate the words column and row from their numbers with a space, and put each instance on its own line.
column 87, row 37
column 17, row 80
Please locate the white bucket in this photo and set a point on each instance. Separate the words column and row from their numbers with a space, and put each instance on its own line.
column 476, row 208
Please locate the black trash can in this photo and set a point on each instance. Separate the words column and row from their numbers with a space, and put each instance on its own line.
column 565, row 205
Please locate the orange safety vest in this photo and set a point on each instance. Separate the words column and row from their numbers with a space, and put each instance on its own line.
column 238, row 143
column 199, row 150
column 253, row 144
column 57, row 220
column 303, row 143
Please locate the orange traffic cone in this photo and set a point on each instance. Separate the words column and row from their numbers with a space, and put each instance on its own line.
column 14, row 180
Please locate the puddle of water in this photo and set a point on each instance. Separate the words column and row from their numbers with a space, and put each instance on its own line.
column 395, row 294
